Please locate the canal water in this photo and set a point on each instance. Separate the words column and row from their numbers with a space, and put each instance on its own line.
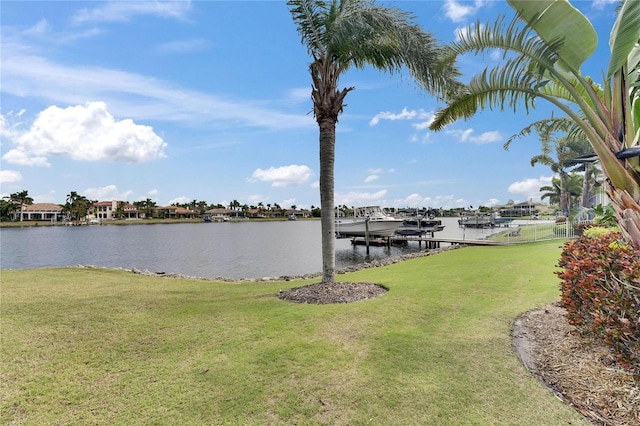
column 209, row 250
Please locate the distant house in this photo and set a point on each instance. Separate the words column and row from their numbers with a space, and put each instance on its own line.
column 41, row 211
column 174, row 212
column 300, row 214
column 257, row 213
column 220, row 214
column 407, row 212
column 108, row 210
column 526, row 208
column 102, row 210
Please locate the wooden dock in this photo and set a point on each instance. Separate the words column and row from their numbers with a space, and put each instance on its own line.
column 428, row 241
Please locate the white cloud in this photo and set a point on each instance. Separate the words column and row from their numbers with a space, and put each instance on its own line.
column 286, row 204
column 107, row 193
column 153, row 192
column 458, row 12
column 9, row 176
column 180, row 200
column 371, row 178
column 487, row 137
column 491, row 202
column 440, row 201
column 256, row 198
column 359, row 198
column 20, row 158
column 600, row 4
column 124, row 11
column 132, row 95
column 404, row 115
column 424, row 139
column 419, row 201
column 424, row 125
column 300, row 94
column 414, row 200
column 285, row 176
column 85, row 133
column 184, row 46
column 9, row 126
column 466, row 136
column 530, row 188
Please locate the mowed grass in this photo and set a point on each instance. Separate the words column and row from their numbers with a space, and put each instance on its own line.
column 92, row 346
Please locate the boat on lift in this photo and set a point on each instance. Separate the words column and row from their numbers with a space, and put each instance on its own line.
column 371, row 218
column 419, row 226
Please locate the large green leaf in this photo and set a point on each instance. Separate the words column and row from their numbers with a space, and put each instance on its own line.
column 555, row 20
column 624, row 35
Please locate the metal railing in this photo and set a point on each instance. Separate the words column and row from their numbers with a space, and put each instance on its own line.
column 529, row 231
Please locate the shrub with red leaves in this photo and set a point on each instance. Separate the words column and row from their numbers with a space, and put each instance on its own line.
column 601, row 293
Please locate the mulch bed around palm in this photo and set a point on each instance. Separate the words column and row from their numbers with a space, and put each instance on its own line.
column 327, row 293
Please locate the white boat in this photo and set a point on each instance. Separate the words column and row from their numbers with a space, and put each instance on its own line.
column 378, row 223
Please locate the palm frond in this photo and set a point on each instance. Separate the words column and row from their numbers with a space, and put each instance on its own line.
column 308, row 15
column 507, row 86
column 361, row 34
column 514, row 38
column 546, row 126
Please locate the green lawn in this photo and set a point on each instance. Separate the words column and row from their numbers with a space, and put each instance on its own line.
column 91, row 346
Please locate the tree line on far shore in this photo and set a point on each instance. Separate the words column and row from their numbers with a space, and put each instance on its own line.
column 78, row 206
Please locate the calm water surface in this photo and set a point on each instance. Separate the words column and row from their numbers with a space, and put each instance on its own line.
column 209, row 250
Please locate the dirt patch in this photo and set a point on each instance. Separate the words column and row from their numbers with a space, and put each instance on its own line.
column 327, row 293
column 581, row 373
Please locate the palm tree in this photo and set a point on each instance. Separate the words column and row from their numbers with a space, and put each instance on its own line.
column 564, row 191
column 339, row 35
column 119, row 212
column 549, row 42
column 21, row 199
column 555, row 154
column 569, row 151
column 149, row 207
column 7, row 208
column 77, row 205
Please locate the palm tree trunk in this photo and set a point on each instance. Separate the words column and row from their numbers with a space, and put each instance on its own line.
column 628, row 214
column 586, row 186
column 565, row 201
column 327, row 160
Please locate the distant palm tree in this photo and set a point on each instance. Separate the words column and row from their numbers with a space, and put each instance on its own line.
column 565, row 192
column 21, row 199
column 149, row 207
column 77, row 206
column 339, row 35
column 119, row 212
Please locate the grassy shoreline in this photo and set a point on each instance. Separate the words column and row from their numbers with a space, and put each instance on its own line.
column 104, row 346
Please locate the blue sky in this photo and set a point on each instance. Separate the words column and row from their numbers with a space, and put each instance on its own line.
column 210, row 100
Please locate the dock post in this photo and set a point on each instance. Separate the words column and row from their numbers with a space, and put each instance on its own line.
column 366, row 234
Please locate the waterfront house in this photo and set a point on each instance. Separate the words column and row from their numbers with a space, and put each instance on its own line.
column 40, row 211
column 526, row 208
column 300, row 214
column 174, row 212
column 108, row 210
column 219, row 215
